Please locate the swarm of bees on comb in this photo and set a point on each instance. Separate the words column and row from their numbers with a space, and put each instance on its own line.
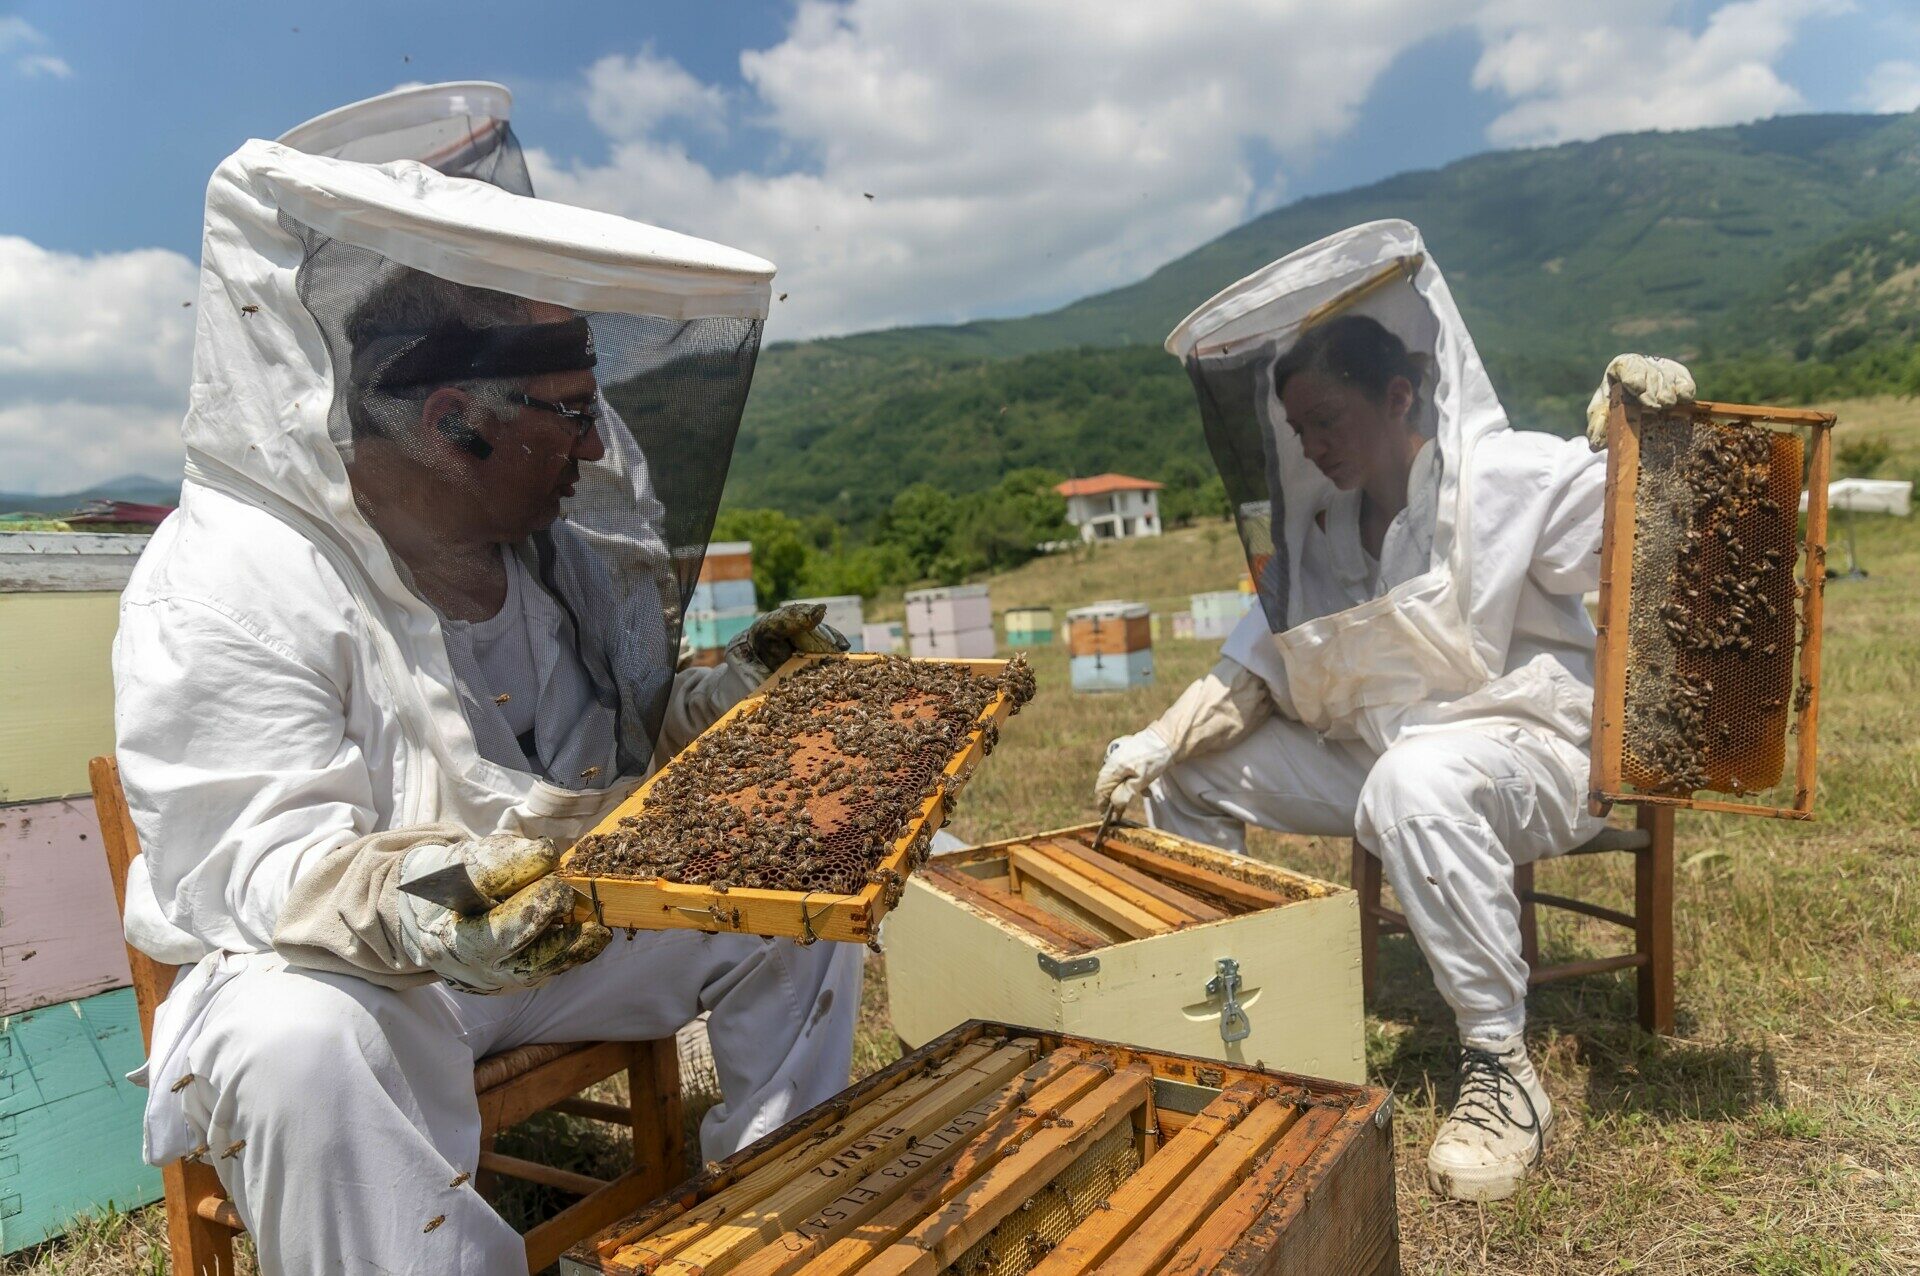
column 1711, row 647
column 812, row 789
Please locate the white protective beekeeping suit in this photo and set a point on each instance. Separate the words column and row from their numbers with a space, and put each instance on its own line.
column 288, row 700
column 1437, row 702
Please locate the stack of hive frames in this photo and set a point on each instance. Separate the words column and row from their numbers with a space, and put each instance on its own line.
column 1062, row 888
column 997, row 1149
column 654, row 903
column 1709, row 647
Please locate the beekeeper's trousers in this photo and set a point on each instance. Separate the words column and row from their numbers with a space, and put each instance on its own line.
column 341, row 1116
column 1449, row 812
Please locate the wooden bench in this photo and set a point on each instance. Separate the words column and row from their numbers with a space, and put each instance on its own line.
column 512, row 1086
column 1650, row 842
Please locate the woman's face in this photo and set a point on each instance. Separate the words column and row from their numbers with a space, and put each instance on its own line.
column 1350, row 436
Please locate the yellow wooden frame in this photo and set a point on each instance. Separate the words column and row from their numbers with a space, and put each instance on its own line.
column 1606, row 784
column 657, row 904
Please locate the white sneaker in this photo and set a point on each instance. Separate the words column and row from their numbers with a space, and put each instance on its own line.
column 1498, row 1128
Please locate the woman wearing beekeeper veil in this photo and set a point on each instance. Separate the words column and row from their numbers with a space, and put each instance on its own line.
column 1419, row 673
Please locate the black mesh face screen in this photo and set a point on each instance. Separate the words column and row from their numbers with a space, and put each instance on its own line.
column 596, row 498
column 1230, row 392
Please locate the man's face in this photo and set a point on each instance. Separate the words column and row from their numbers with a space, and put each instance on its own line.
column 537, row 454
column 533, row 453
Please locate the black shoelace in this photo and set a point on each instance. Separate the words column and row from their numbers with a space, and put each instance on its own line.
column 1483, row 1100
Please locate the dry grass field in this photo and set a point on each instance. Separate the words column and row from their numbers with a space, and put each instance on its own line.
column 1778, row 1130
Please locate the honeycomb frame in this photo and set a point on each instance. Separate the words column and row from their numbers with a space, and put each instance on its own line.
column 632, row 903
column 1711, row 596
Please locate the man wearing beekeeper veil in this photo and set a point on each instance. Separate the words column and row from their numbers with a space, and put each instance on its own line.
column 453, row 455
column 1419, row 670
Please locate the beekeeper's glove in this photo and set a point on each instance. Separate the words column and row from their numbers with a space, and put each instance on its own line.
column 525, row 938
column 1133, row 763
column 1647, row 379
column 1215, row 711
column 773, row 639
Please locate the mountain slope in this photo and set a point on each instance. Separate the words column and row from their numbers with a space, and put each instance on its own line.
column 1769, row 239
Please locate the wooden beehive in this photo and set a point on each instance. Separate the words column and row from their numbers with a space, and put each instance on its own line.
column 1007, row 1150
column 1110, row 646
column 657, row 904
column 1708, row 659
column 1127, row 942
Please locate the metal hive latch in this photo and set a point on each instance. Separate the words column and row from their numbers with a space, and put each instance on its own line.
column 1225, row 984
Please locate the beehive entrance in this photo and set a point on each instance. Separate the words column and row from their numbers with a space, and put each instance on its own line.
column 1711, row 627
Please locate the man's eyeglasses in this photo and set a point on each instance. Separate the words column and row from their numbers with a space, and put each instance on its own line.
column 583, row 420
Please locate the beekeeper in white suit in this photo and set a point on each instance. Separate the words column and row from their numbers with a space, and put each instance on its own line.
column 376, row 640
column 1419, row 673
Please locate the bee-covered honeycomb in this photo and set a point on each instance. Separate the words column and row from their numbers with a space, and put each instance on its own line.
column 1042, row 1221
column 1712, row 618
column 813, row 787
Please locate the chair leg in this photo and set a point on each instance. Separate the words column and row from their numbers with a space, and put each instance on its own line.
column 1366, row 883
column 1529, row 916
column 659, row 1120
column 198, row 1246
column 1653, row 914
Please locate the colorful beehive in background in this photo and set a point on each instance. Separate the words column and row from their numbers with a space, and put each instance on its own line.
column 1007, row 1151
column 883, row 636
column 1029, row 626
column 1215, row 614
column 844, row 613
column 1111, row 645
column 952, row 623
column 1183, row 625
column 69, row 1031
column 723, row 603
column 1124, row 942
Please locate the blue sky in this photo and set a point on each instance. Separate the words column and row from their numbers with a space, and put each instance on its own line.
column 1022, row 152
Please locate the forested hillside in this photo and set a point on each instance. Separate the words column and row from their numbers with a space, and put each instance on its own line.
column 1782, row 257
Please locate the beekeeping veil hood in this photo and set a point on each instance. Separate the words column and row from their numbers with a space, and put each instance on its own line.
column 339, row 298
column 1351, row 670
column 461, row 129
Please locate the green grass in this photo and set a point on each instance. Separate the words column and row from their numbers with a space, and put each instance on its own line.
column 1777, row 1131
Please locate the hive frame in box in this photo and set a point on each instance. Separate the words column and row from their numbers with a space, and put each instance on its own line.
column 657, row 904
column 1624, row 423
column 1319, row 1200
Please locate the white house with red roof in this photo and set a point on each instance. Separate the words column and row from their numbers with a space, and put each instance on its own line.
column 1112, row 506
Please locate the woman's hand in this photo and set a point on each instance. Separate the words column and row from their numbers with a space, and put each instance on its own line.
column 1647, row 379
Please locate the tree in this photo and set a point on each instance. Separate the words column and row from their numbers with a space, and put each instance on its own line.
column 922, row 521
column 780, row 550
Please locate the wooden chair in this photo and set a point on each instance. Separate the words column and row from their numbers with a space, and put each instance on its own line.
column 512, row 1086
column 1650, row 842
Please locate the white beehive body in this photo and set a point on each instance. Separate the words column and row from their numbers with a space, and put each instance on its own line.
column 1299, row 963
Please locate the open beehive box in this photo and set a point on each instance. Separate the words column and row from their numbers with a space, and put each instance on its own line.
column 1708, row 659
column 1008, row 1151
column 800, row 811
column 1151, row 938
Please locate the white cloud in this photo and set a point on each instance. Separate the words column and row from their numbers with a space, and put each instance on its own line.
column 1891, row 86
column 95, row 354
column 36, row 64
column 630, row 96
column 1588, row 67
column 1018, row 153
column 1023, row 153
column 18, row 34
